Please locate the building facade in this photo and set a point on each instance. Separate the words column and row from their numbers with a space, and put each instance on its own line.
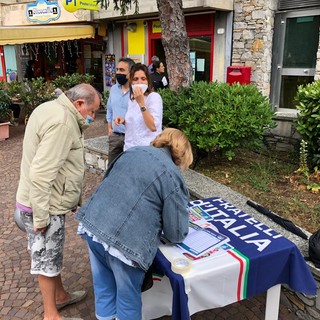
column 277, row 39
column 209, row 28
column 60, row 42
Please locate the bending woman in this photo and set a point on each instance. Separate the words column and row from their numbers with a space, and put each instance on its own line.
column 123, row 223
column 143, row 120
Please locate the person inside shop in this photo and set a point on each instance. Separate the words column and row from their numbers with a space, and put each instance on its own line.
column 79, row 68
column 31, row 71
column 123, row 224
column 153, row 60
column 143, row 120
column 117, row 106
column 158, row 78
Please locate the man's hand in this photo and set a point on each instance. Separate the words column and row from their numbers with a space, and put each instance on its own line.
column 109, row 129
column 118, row 120
column 42, row 230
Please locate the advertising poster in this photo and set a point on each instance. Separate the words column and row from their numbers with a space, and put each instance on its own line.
column 110, row 70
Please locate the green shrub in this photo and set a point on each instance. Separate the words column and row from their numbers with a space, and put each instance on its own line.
column 68, row 81
column 105, row 97
column 308, row 123
column 218, row 117
column 173, row 106
column 34, row 92
column 5, row 101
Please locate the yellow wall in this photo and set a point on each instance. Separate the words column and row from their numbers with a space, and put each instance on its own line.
column 136, row 40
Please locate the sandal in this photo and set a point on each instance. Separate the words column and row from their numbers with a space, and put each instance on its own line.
column 74, row 298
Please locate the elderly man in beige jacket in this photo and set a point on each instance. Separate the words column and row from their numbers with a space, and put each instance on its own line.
column 52, row 171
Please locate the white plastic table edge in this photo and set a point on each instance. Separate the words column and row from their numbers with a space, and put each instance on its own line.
column 273, row 302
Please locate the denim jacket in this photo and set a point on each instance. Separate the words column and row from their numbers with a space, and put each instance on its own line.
column 142, row 195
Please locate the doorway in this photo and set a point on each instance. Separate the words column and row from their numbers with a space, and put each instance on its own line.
column 200, row 55
column 157, row 50
column 296, row 43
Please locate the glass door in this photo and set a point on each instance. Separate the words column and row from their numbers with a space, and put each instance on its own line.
column 296, row 43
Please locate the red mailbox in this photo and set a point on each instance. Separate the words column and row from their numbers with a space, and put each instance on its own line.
column 239, row 74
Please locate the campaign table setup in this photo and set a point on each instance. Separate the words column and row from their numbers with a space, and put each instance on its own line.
column 248, row 259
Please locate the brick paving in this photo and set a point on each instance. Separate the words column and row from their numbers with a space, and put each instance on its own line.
column 19, row 293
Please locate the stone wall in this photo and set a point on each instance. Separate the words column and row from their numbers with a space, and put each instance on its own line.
column 284, row 137
column 96, row 155
column 252, row 39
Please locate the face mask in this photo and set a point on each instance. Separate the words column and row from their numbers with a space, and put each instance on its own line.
column 143, row 86
column 122, row 79
column 88, row 120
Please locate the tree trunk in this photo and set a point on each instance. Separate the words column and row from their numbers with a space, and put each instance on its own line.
column 175, row 43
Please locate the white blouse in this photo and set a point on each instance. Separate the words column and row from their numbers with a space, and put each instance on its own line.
column 136, row 132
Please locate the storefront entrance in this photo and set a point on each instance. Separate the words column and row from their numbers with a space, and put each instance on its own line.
column 55, row 59
column 200, row 30
column 295, row 54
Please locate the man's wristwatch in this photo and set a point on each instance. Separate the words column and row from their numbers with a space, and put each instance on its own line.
column 143, row 109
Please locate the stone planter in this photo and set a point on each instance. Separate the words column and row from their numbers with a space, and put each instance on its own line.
column 4, row 130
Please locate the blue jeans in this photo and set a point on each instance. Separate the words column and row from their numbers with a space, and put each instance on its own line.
column 117, row 286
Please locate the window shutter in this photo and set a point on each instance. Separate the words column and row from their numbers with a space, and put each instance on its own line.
column 295, row 4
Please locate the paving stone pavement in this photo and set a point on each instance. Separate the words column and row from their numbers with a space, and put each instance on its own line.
column 20, row 296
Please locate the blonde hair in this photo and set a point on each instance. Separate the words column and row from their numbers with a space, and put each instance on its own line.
column 178, row 144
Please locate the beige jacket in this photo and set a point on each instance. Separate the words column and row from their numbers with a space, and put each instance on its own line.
column 52, row 166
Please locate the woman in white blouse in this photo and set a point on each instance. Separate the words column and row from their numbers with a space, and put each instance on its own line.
column 143, row 120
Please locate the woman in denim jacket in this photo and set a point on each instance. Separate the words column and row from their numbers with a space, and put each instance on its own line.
column 142, row 197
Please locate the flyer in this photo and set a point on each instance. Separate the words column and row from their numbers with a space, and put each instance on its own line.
column 201, row 240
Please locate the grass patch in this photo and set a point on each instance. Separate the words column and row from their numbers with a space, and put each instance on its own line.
column 268, row 178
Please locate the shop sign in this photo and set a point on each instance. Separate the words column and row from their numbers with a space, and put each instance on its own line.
column 43, row 11
column 74, row 5
column 156, row 27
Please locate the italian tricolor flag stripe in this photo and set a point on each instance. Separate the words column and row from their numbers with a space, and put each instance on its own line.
column 243, row 273
column 157, row 277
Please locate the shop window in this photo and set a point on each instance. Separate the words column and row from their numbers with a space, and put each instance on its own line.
column 289, row 87
column 200, row 51
column 295, row 65
column 93, row 63
column 301, row 42
column 69, row 57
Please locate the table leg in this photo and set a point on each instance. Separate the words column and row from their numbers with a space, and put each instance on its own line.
column 273, row 302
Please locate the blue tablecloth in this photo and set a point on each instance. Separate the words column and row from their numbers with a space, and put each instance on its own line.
column 260, row 257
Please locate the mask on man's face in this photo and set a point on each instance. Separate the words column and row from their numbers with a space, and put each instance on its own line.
column 88, row 119
column 121, row 78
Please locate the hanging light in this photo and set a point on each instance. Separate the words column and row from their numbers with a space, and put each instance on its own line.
column 24, row 50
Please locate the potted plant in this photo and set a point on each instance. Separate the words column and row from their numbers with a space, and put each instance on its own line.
column 5, row 111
